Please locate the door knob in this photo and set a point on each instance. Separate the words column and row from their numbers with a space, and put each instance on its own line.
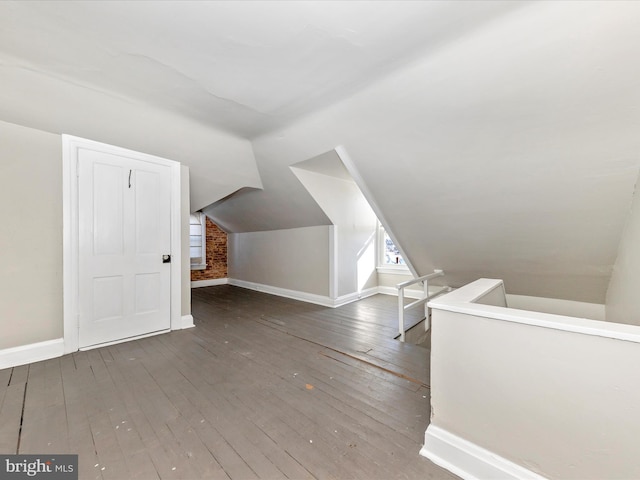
column 166, row 258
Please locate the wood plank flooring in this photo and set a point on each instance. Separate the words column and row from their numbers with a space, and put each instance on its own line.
column 263, row 387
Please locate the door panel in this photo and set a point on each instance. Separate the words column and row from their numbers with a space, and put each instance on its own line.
column 124, row 227
column 107, row 298
column 108, row 212
column 147, row 293
column 148, row 188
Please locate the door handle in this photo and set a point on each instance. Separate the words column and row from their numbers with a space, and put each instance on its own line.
column 166, row 258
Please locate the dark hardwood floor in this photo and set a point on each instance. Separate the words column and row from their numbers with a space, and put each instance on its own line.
column 263, row 387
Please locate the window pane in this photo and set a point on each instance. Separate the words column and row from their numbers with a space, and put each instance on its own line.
column 391, row 254
column 197, row 239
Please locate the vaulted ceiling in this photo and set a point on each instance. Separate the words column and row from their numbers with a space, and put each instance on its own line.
column 247, row 67
column 496, row 138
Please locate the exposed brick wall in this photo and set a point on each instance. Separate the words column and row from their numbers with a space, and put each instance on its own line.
column 216, row 255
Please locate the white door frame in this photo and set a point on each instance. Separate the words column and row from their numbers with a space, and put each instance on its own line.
column 71, row 253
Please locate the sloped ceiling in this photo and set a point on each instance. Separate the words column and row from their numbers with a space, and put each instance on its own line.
column 327, row 163
column 246, row 67
column 498, row 138
column 511, row 153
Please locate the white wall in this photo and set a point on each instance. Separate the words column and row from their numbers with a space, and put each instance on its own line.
column 623, row 295
column 387, row 283
column 556, row 395
column 185, row 210
column 593, row 311
column 31, row 240
column 294, row 259
column 343, row 202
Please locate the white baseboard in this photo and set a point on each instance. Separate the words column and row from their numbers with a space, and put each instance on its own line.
column 284, row 292
column 352, row 297
column 34, row 352
column 468, row 460
column 187, row 321
column 209, row 283
column 415, row 294
column 323, row 300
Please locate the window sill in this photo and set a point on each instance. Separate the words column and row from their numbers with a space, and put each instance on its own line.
column 199, row 267
column 394, row 270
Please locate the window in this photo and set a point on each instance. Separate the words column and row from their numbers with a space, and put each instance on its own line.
column 389, row 257
column 391, row 254
column 198, row 240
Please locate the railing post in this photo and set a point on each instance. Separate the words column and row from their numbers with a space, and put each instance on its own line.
column 401, row 308
column 401, row 313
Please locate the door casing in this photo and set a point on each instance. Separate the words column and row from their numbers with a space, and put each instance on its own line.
column 71, row 145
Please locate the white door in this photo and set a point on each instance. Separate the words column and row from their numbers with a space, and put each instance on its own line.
column 124, row 238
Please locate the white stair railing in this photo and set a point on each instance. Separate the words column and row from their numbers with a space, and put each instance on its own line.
column 421, row 301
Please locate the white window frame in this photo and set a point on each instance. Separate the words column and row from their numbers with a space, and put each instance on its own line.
column 382, row 267
column 199, row 263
